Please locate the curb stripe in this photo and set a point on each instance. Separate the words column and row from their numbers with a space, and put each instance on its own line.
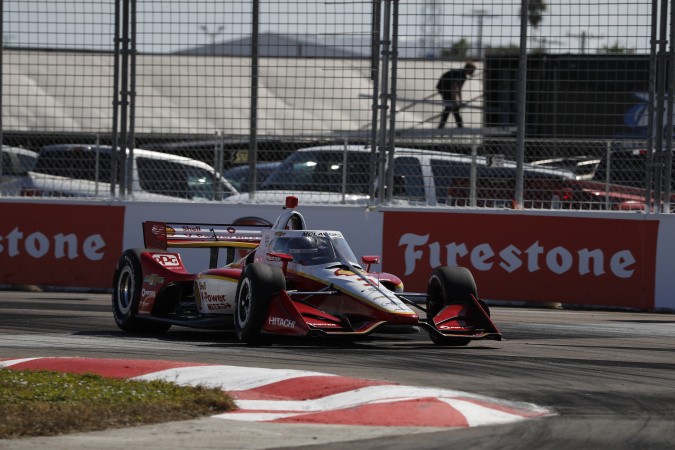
column 228, row 378
column 309, row 388
column 114, row 368
column 297, row 396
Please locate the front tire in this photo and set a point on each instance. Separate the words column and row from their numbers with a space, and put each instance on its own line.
column 258, row 283
column 449, row 285
column 127, row 285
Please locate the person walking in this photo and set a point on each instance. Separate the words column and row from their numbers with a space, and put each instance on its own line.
column 450, row 88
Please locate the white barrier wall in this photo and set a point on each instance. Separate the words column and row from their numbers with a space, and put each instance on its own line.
column 603, row 259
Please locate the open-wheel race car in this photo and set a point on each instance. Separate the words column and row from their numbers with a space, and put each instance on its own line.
column 285, row 280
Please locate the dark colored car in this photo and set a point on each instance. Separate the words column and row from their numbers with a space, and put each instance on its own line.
column 238, row 176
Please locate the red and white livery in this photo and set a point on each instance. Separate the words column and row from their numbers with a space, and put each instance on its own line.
column 289, row 281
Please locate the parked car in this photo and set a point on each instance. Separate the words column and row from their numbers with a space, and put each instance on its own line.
column 626, row 166
column 583, row 166
column 342, row 174
column 238, row 176
column 497, row 189
column 16, row 162
column 86, row 171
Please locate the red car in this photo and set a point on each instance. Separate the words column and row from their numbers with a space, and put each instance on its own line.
column 290, row 281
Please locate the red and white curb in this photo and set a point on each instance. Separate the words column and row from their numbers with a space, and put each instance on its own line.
column 297, row 396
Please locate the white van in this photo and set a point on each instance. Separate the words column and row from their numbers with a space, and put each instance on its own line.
column 86, row 171
column 340, row 174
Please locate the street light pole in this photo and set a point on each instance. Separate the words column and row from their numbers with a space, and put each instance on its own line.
column 481, row 14
column 213, row 35
column 583, row 37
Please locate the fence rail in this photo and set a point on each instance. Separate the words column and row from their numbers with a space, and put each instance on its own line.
column 566, row 106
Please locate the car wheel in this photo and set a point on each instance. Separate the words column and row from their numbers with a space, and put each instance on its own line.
column 127, row 283
column 449, row 285
column 258, row 283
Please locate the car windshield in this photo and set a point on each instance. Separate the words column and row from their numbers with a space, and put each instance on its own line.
column 314, row 250
column 324, row 171
column 81, row 163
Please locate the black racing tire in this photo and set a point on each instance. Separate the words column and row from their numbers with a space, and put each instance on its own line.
column 127, row 285
column 250, row 258
column 449, row 285
column 257, row 285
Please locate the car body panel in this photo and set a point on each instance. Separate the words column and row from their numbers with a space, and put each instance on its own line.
column 16, row 162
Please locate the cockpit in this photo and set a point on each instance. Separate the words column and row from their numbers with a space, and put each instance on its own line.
column 312, row 250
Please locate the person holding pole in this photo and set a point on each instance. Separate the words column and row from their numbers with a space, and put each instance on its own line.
column 450, row 88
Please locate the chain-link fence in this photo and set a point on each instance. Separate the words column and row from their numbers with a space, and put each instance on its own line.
column 523, row 103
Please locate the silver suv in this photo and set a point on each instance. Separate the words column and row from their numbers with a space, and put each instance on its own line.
column 86, row 171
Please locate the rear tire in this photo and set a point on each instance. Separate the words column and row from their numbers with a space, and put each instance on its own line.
column 449, row 285
column 127, row 285
column 258, row 283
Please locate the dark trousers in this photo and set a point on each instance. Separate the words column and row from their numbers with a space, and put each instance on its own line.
column 446, row 113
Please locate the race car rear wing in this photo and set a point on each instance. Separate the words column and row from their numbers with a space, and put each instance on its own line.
column 162, row 235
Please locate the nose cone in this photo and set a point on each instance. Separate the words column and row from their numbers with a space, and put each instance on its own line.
column 410, row 318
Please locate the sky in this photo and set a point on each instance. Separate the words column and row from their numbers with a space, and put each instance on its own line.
column 170, row 25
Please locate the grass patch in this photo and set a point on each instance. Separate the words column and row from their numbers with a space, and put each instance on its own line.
column 48, row 403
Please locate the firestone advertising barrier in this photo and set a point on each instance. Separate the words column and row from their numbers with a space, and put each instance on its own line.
column 60, row 245
column 592, row 261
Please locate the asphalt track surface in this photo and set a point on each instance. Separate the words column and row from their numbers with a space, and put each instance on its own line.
column 609, row 376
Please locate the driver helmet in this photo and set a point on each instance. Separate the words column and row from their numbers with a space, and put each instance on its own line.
column 303, row 248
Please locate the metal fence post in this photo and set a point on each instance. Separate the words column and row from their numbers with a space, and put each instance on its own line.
column 384, row 95
column 608, row 156
column 131, row 95
column 660, row 106
column 390, row 144
column 521, row 103
column 219, row 159
column 376, row 195
column 473, row 173
column 668, row 161
column 253, row 132
column 124, row 102
column 115, row 160
column 2, row 46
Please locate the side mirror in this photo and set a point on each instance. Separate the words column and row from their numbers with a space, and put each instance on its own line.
column 285, row 258
column 370, row 260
